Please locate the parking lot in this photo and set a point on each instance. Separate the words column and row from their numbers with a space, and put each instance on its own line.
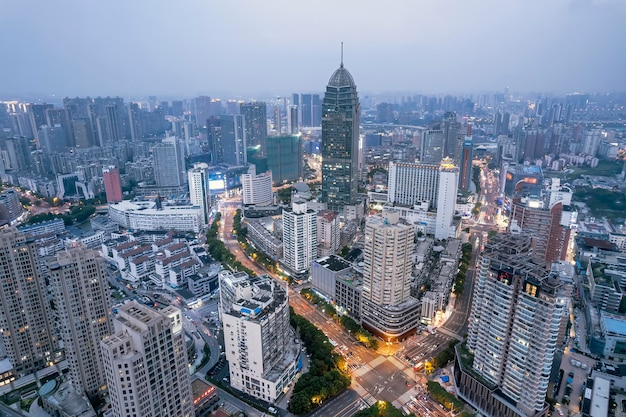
column 580, row 377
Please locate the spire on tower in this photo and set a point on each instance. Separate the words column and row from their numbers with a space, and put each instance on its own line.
column 341, row 66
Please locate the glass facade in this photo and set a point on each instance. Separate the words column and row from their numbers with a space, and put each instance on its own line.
column 340, row 141
column 284, row 158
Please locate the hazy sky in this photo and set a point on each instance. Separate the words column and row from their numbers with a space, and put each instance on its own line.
column 275, row 47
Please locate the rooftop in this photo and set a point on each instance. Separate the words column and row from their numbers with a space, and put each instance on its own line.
column 333, row 263
column 341, row 78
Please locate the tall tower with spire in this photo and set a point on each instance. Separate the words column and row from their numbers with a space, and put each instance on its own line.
column 340, row 140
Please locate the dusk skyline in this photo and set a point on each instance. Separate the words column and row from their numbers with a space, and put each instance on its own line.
column 246, row 48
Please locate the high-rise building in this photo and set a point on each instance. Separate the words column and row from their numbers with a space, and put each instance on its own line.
column 233, row 139
column 214, row 139
column 169, row 163
column 202, row 107
column 410, row 184
column 513, row 328
column 81, row 298
column 37, row 115
column 387, row 308
column 135, row 121
column 340, row 141
column 145, row 363
column 328, row 236
column 112, row 184
column 293, row 121
column 433, row 146
column 284, row 158
column 257, row 188
column 25, row 313
column 255, row 122
column 548, row 223
column 299, row 237
column 199, row 193
column 261, row 348
column 466, row 168
column 446, row 199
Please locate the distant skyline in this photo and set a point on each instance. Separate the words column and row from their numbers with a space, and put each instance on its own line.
column 251, row 48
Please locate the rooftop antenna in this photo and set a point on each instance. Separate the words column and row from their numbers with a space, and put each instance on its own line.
column 341, row 66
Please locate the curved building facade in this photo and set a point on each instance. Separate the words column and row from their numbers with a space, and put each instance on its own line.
column 145, row 215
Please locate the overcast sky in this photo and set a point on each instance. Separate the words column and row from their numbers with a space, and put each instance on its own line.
column 182, row 48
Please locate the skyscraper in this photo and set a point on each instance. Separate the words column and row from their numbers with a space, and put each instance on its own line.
column 135, row 121
column 199, row 193
column 81, row 298
column 255, row 122
column 202, row 107
column 146, row 363
column 112, row 184
column 514, row 323
column 446, row 198
column 340, row 140
column 169, row 163
column 25, row 312
column 465, row 172
column 233, row 139
column 299, row 237
column 258, row 340
column 387, row 308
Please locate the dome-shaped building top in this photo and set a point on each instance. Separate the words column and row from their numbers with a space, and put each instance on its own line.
column 341, row 78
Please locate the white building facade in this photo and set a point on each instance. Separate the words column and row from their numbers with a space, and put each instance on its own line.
column 146, row 364
column 261, row 348
column 257, row 189
column 299, row 237
column 144, row 215
column 199, row 194
column 446, row 199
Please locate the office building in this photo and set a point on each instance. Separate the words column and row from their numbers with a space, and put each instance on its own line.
column 327, row 233
column 82, row 301
column 340, row 141
column 325, row 271
column 411, row 184
column 199, row 193
column 446, row 199
column 284, row 158
column 433, row 146
column 146, row 363
column 387, row 308
column 261, row 348
column 112, row 184
column 465, row 164
column 514, row 323
column 523, row 180
column 257, row 188
column 233, row 140
column 169, row 163
column 255, row 122
column 28, row 334
column 299, row 237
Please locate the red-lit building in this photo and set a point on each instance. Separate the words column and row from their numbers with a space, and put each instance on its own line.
column 112, row 184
